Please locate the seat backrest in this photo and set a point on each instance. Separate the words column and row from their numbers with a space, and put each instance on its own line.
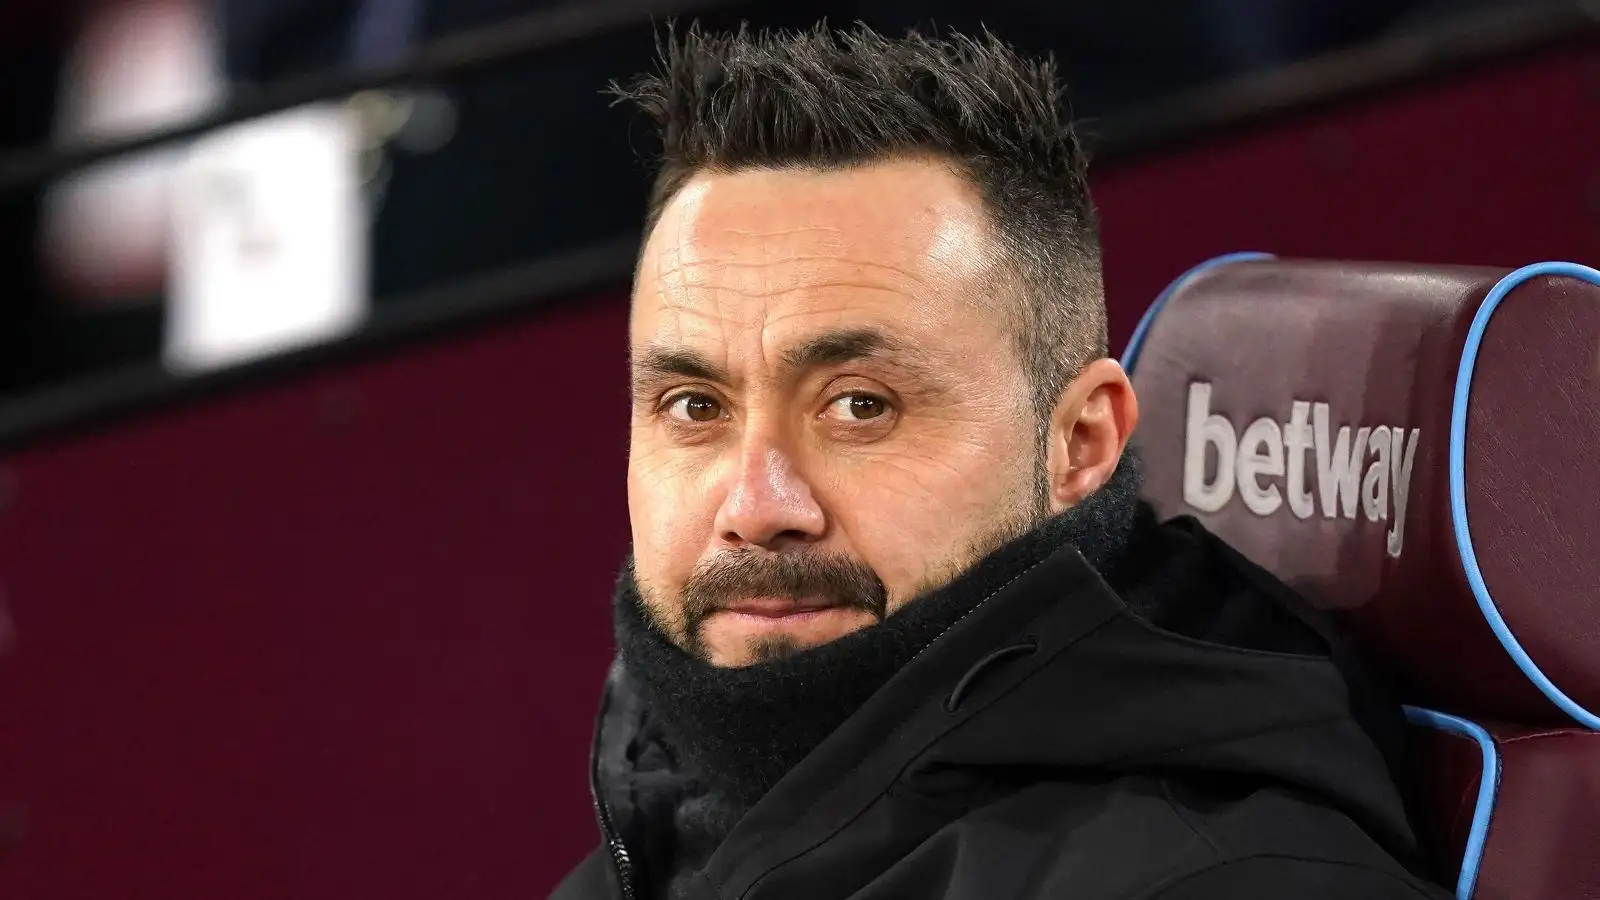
column 1415, row 448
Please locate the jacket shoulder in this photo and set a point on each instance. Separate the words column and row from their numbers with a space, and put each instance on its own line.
column 1271, row 877
column 1147, row 838
column 1276, row 842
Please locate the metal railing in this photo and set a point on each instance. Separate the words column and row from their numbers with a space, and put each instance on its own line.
column 528, row 287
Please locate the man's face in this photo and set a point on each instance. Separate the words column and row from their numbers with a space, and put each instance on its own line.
column 829, row 413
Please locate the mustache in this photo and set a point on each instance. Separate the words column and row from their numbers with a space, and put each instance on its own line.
column 737, row 574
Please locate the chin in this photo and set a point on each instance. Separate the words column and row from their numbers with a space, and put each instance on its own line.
column 772, row 649
column 766, row 650
column 736, row 639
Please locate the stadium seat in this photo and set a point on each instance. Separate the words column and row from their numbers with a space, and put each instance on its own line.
column 1416, row 448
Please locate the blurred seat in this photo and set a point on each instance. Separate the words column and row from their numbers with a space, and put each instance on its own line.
column 1415, row 448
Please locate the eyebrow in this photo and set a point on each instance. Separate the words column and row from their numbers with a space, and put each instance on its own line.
column 829, row 348
column 834, row 347
column 662, row 363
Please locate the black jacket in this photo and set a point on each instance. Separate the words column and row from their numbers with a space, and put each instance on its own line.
column 1055, row 743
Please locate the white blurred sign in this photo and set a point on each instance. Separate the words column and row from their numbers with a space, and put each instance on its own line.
column 269, row 248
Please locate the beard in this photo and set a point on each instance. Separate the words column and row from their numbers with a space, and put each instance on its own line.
column 839, row 579
column 836, row 578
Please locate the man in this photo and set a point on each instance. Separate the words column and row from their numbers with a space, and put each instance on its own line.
column 895, row 624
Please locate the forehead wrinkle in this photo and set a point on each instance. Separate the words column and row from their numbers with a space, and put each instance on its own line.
column 734, row 263
column 857, row 343
column 711, row 269
column 778, row 274
column 666, row 274
column 835, row 247
column 789, row 231
column 702, row 242
column 764, row 295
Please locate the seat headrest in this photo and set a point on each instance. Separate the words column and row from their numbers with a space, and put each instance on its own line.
column 1416, row 447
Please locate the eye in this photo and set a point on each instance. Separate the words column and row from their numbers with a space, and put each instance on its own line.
column 858, row 407
column 695, row 408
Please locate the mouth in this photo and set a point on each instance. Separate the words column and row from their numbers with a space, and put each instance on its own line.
column 778, row 607
column 798, row 622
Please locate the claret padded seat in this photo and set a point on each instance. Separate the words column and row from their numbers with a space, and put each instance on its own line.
column 1416, row 448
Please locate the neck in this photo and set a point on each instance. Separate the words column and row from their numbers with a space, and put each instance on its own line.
column 737, row 731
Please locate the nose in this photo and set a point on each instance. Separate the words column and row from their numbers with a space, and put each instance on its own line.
column 768, row 504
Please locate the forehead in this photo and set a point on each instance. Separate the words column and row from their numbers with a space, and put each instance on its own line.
column 904, row 242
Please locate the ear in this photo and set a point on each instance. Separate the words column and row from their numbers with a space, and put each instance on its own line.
column 1089, row 429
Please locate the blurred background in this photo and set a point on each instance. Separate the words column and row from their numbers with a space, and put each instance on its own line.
column 312, row 417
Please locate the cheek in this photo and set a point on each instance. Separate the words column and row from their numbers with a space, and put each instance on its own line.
column 915, row 509
column 670, row 514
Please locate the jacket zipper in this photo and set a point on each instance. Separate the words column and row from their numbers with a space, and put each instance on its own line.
column 619, row 852
column 620, row 860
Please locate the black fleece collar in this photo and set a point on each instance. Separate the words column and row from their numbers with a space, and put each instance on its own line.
column 737, row 731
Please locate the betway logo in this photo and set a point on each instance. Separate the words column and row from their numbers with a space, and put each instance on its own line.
column 1366, row 468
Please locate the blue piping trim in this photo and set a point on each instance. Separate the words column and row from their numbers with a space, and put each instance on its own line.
column 1458, row 480
column 1130, row 355
column 1488, row 785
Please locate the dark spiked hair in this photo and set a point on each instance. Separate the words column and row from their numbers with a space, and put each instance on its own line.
column 826, row 99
